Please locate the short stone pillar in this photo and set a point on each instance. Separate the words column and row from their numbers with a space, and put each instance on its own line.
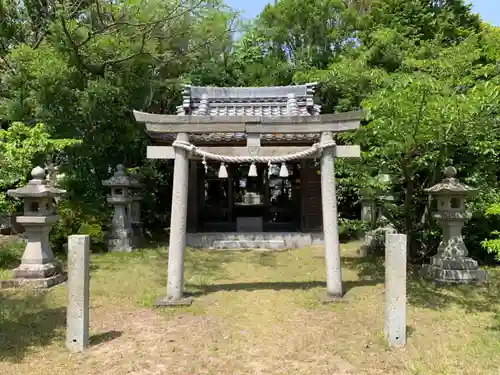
column 395, row 289
column 135, row 210
column 38, row 265
column 77, row 313
column 451, row 263
column 120, row 235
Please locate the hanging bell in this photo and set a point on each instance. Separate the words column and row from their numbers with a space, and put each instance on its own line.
column 222, row 171
column 205, row 165
column 252, row 172
column 283, row 171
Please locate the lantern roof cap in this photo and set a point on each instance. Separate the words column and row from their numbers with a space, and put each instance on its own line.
column 119, row 179
column 450, row 185
column 37, row 187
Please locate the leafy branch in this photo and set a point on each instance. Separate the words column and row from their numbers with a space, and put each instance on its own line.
column 144, row 31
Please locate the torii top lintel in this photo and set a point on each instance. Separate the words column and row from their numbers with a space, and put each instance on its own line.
column 220, row 113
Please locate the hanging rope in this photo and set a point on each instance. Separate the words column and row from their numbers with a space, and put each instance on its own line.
column 193, row 150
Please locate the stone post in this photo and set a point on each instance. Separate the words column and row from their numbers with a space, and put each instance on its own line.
column 77, row 313
column 38, row 265
column 120, row 235
column 177, row 243
column 375, row 237
column 135, row 210
column 451, row 263
column 385, row 198
column 395, row 289
column 330, row 223
column 367, row 210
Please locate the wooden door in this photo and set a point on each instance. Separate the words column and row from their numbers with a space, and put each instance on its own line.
column 310, row 193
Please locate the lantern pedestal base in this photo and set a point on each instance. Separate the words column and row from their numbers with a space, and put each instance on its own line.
column 453, row 271
column 121, row 240
column 34, row 275
column 36, row 271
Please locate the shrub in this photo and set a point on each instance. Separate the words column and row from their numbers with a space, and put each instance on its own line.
column 492, row 245
column 10, row 254
column 350, row 229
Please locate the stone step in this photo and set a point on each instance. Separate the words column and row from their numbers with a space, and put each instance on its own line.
column 249, row 244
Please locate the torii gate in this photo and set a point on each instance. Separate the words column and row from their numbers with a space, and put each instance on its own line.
column 181, row 151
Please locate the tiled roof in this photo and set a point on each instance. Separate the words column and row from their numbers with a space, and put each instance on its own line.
column 274, row 101
column 249, row 101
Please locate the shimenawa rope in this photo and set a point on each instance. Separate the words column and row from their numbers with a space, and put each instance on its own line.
column 193, row 150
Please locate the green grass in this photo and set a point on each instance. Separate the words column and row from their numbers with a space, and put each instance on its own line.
column 254, row 313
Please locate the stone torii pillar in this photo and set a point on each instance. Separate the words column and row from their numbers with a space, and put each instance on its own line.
column 178, row 222
column 330, row 222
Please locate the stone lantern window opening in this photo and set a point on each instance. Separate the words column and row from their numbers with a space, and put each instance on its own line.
column 455, row 203
column 31, row 207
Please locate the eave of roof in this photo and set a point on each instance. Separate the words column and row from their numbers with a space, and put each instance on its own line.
column 225, row 111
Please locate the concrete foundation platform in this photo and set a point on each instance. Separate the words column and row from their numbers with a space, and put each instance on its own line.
column 253, row 240
column 325, row 298
column 165, row 302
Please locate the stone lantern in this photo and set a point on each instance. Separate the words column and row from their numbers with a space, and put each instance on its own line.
column 135, row 210
column 373, row 202
column 120, row 235
column 367, row 206
column 38, row 265
column 451, row 263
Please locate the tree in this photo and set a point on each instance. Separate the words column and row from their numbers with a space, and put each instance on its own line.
column 448, row 21
column 443, row 112
column 20, row 147
column 99, row 60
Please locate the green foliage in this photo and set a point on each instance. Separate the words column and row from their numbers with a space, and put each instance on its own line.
column 432, row 115
column 492, row 245
column 351, row 229
column 10, row 254
column 77, row 218
column 96, row 234
column 493, row 210
column 86, row 67
column 22, row 145
column 448, row 21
